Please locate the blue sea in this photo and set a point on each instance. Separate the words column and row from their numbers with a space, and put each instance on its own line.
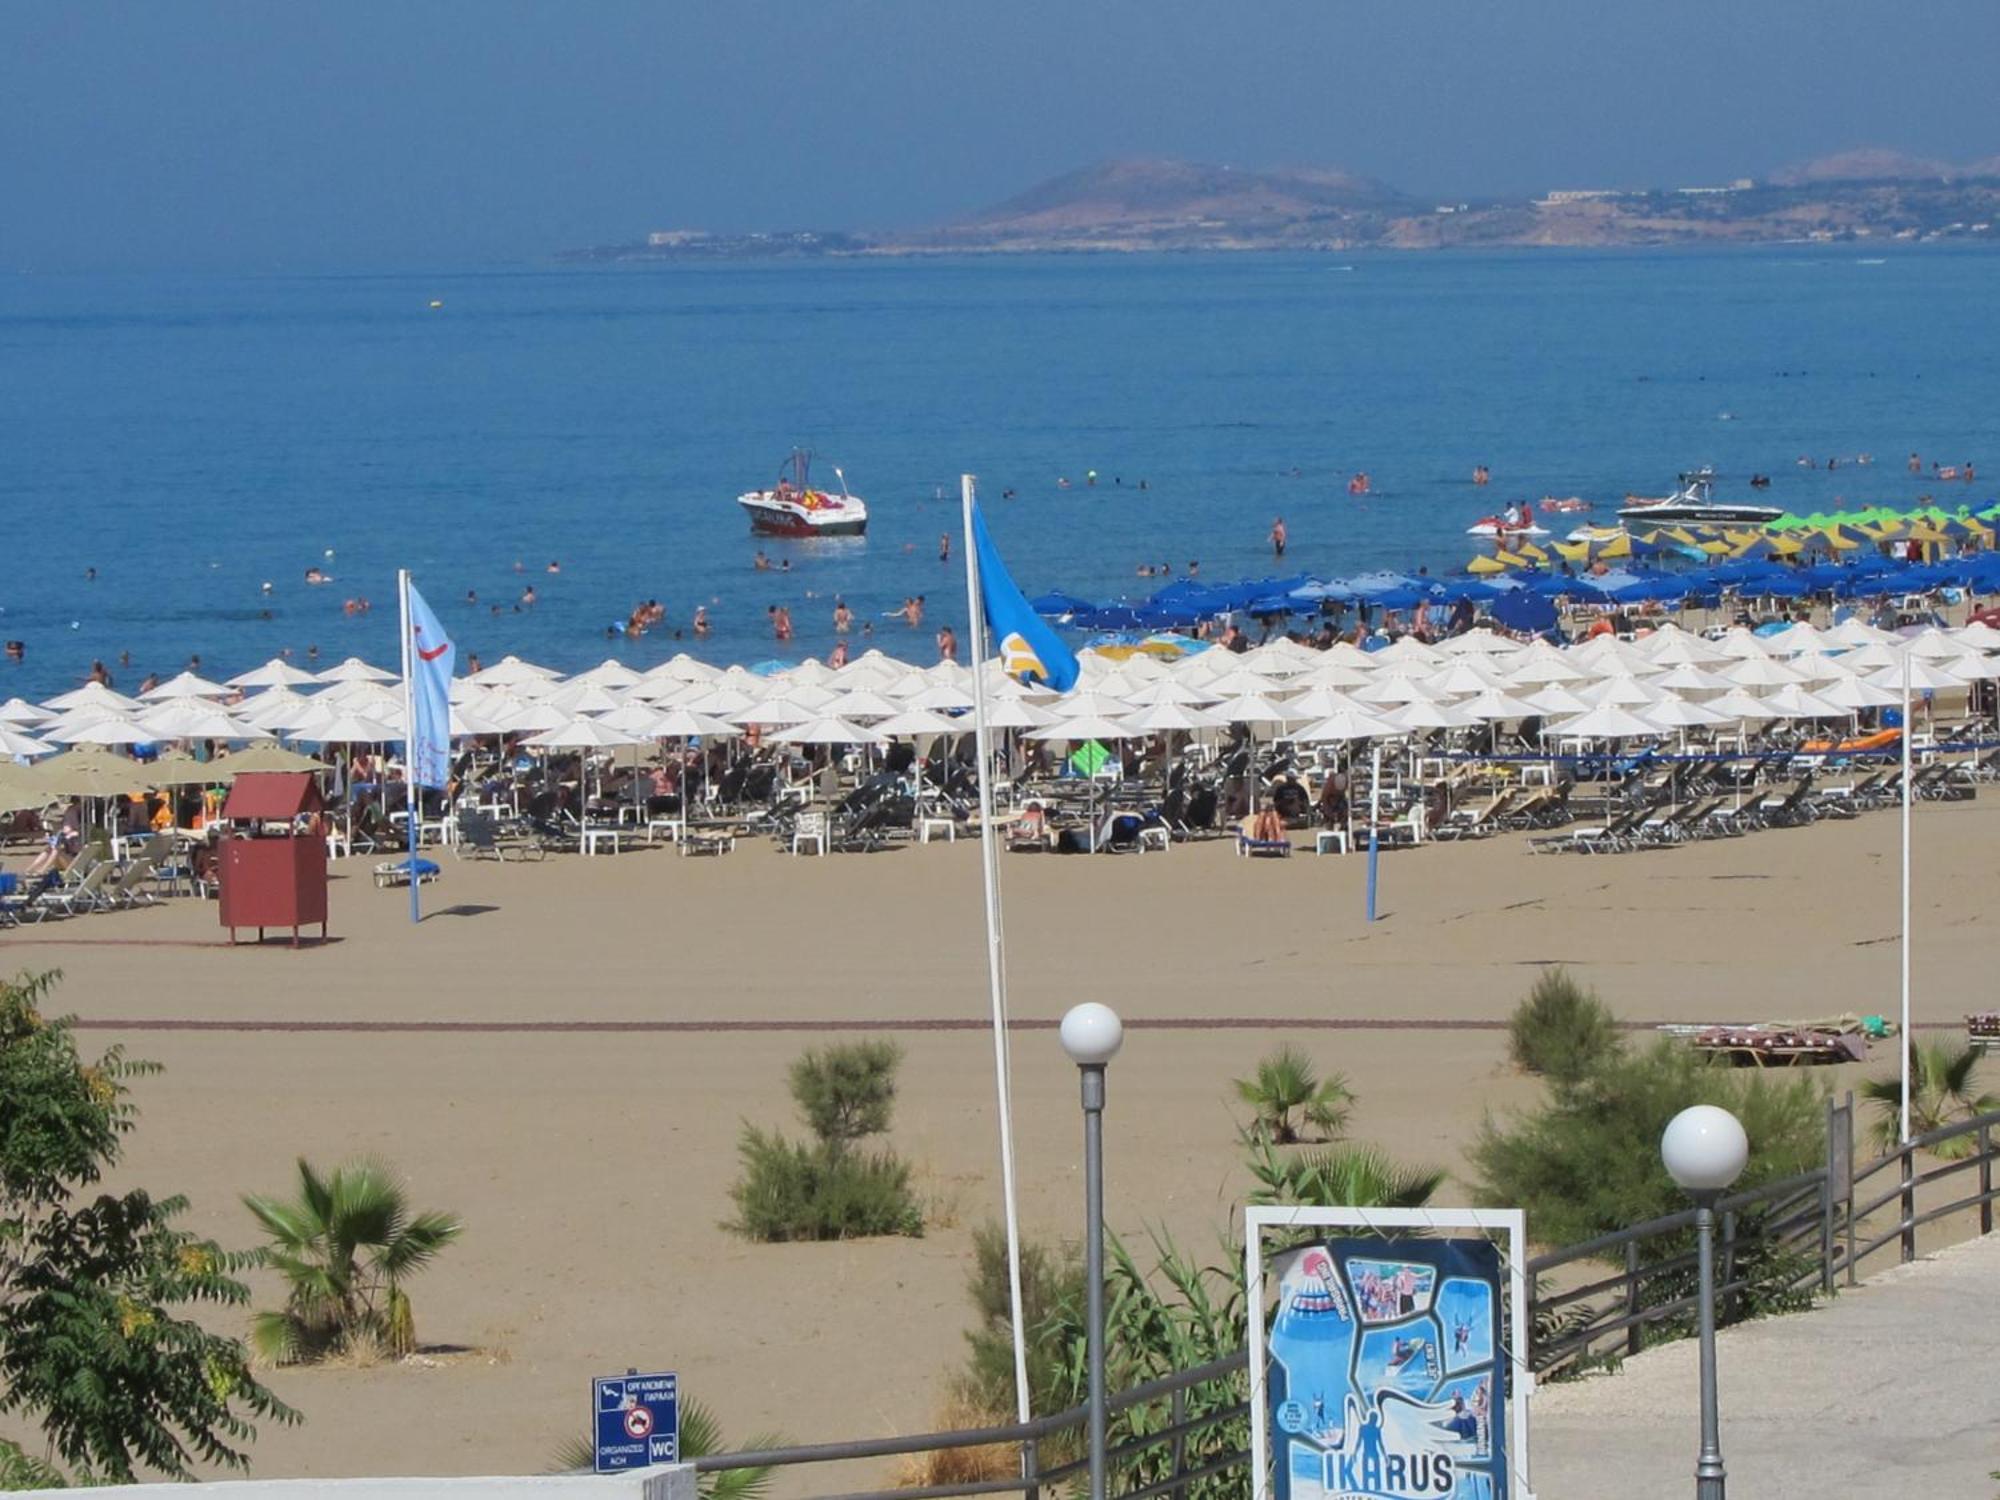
column 192, row 438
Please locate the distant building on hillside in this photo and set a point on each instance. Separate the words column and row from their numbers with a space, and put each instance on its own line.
column 665, row 239
column 1560, row 196
column 1740, row 185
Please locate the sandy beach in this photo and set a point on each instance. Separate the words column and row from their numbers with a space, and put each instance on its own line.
column 563, row 1053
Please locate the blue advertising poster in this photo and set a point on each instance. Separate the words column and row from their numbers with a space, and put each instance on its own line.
column 636, row 1420
column 1387, row 1371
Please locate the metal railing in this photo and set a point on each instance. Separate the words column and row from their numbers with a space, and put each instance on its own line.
column 1055, row 1437
column 1808, row 1230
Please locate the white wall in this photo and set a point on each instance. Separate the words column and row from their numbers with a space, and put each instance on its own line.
column 663, row 1482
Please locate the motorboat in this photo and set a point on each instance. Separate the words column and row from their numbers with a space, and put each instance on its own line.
column 792, row 507
column 1694, row 504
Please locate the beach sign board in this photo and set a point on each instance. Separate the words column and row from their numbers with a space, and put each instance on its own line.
column 1388, row 1371
column 636, row 1420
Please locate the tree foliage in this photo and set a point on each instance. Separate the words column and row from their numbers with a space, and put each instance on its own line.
column 1943, row 1091
column 1286, row 1084
column 91, row 1345
column 1586, row 1161
column 828, row 1189
column 345, row 1246
column 1562, row 1030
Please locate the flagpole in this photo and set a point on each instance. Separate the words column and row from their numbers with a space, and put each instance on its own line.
column 996, row 963
column 414, row 807
column 1903, row 1134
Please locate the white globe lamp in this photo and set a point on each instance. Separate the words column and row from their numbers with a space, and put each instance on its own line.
column 1092, row 1034
column 1704, row 1148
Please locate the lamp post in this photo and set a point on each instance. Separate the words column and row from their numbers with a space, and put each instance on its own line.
column 1091, row 1035
column 1705, row 1150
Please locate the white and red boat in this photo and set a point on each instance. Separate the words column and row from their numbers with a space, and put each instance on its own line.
column 792, row 507
column 1515, row 520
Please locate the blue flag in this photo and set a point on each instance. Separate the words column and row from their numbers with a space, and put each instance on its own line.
column 431, row 655
column 1029, row 647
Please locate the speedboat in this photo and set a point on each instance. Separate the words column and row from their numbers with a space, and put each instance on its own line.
column 792, row 507
column 1694, row 504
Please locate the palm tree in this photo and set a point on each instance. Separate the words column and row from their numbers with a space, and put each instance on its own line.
column 1350, row 1176
column 701, row 1437
column 1287, row 1081
column 345, row 1245
column 1941, row 1094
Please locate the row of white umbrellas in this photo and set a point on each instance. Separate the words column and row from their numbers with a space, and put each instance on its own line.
column 1667, row 681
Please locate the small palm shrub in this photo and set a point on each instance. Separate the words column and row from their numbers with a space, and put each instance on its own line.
column 345, row 1247
column 829, row 1189
column 1352, row 1176
column 1942, row 1092
column 1562, row 1030
column 1286, row 1092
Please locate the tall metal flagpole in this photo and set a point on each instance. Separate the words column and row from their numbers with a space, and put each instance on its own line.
column 1903, row 1037
column 414, row 808
column 996, row 960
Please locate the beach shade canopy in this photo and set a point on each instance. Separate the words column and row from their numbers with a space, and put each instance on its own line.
column 511, row 671
column 1351, row 723
column 1740, row 703
column 580, row 697
column 186, row 685
column 827, row 731
column 92, row 695
column 90, row 773
column 580, row 733
column 274, row 709
column 1160, row 718
column 351, row 729
column 940, row 697
column 1423, row 715
column 19, row 742
column 194, row 719
column 115, row 729
column 21, row 711
column 1076, row 731
column 1918, row 675
column 1256, row 708
column 1607, row 721
column 1168, row 690
column 275, row 673
column 919, row 723
column 776, row 713
column 354, row 669
column 1016, row 713
column 276, row 796
column 1855, row 693
column 1679, row 713
column 185, row 770
column 861, row 703
column 685, row 724
column 265, row 758
column 608, row 674
column 1557, row 701
column 1496, row 704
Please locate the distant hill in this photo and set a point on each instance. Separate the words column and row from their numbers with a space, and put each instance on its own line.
column 1869, row 195
column 1116, row 197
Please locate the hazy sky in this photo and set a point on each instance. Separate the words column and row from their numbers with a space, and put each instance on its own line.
column 279, row 133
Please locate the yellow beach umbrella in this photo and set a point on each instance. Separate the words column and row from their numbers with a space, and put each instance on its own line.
column 1575, row 552
column 1485, row 566
column 1618, row 546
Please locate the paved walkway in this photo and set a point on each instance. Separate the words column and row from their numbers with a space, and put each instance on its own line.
column 1888, row 1390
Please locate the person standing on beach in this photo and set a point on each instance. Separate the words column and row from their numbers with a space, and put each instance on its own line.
column 1278, row 537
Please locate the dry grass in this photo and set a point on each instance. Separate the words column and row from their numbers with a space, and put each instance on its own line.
column 960, row 1465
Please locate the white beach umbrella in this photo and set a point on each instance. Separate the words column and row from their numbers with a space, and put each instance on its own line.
column 1315, row 703
column 1016, row 713
column 1334, row 674
column 686, row 724
column 1344, row 654
column 940, row 697
column 1542, row 668
column 1480, row 642
column 1761, row 672
column 1422, row 716
column 115, row 730
column 92, row 695
column 18, row 742
column 184, row 685
column 347, row 728
column 1741, row 703
column 1626, row 692
column 1461, row 679
column 1874, row 655
column 1083, row 728
column 194, row 719
column 1168, row 690
column 354, row 669
column 273, row 708
column 1690, row 678
column 1607, row 656
column 21, row 711
column 1670, row 646
column 366, row 697
column 1796, row 639
column 1740, row 643
column 1088, row 703
column 1857, row 693
column 1393, row 688
column 1352, row 723
column 1795, row 702
column 580, row 697
column 521, row 715
column 1163, row 718
column 635, row 718
column 774, row 714
column 862, row 703
column 1256, row 708
column 580, row 732
column 275, row 673
column 1973, row 668
column 1556, row 701
column 1854, row 632
column 465, row 720
column 1932, row 644
column 917, row 724
column 718, row 700
column 1607, row 721
column 809, row 695
column 609, row 673
column 511, row 672
column 827, row 730
column 1407, row 652
column 1496, row 704
column 1919, row 675
column 1979, row 636
column 1682, row 713
column 1239, row 682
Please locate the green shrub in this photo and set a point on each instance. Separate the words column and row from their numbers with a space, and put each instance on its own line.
column 847, row 1092
column 1352, row 1176
column 1051, row 1305
column 1587, row 1160
column 1286, row 1083
column 1942, row 1092
column 1562, row 1030
column 827, row 1190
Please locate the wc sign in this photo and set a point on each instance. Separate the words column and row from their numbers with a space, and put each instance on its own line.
column 637, row 1420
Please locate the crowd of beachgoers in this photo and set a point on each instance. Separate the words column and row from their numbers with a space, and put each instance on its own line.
column 1640, row 734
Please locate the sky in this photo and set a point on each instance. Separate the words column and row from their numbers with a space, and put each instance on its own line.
column 304, row 135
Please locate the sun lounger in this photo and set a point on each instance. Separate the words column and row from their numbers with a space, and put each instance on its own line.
column 1250, row 848
column 399, row 872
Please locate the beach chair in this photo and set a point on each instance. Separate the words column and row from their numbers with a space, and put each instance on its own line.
column 129, row 887
column 1477, row 822
column 1249, row 848
column 80, row 895
column 401, row 871
column 809, row 831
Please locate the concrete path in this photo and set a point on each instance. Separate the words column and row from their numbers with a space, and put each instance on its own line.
column 1890, row 1389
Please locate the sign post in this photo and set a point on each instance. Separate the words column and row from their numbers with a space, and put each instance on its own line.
column 636, row 1420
